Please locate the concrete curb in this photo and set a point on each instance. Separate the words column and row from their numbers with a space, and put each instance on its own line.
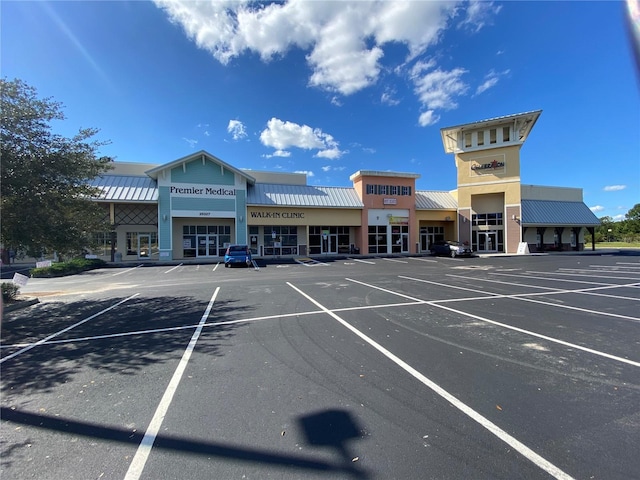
column 11, row 307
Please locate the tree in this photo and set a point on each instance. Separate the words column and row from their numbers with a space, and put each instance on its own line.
column 45, row 195
column 632, row 222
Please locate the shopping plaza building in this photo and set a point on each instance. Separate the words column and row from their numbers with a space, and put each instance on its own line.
column 193, row 207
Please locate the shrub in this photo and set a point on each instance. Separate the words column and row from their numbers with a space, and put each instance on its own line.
column 60, row 269
column 9, row 291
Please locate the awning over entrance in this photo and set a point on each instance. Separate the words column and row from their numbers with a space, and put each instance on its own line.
column 553, row 212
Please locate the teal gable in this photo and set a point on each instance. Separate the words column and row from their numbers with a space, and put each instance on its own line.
column 201, row 193
column 203, row 173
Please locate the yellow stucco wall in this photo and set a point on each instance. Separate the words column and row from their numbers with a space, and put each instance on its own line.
column 303, row 216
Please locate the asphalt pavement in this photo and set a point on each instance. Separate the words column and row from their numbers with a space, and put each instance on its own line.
column 366, row 368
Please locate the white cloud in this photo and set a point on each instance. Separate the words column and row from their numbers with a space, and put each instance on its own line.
column 597, row 208
column 345, row 41
column 237, row 129
column 428, row 118
column 388, row 97
column 617, row 218
column 191, row 141
column 331, row 153
column 278, row 153
column 308, row 173
column 490, row 81
column 283, row 135
column 478, row 14
column 614, row 188
column 437, row 89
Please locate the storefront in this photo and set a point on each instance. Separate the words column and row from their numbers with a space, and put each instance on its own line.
column 496, row 213
column 194, row 207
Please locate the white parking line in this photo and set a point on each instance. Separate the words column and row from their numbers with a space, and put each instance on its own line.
column 395, row 260
column 310, row 262
column 278, row 316
column 438, row 304
column 583, row 291
column 144, row 449
column 523, row 297
column 464, row 408
column 40, row 342
column 172, row 269
column 613, row 267
column 583, row 275
column 424, row 259
column 125, row 271
column 592, row 271
column 362, row 261
column 550, row 279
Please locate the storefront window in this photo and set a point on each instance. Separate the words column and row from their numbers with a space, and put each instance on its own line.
column 378, row 239
column 254, row 232
column 102, row 244
column 142, row 244
column 429, row 235
column 205, row 240
column 280, row 240
column 486, row 219
column 329, row 240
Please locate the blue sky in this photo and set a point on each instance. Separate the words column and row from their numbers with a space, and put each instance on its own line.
column 330, row 88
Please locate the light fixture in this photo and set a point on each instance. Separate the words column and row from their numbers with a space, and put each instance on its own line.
column 164, row 217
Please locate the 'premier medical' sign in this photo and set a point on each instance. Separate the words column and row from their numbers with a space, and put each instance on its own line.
column 203, row 191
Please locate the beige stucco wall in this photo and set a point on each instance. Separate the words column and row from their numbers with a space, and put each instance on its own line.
column 510, row 189
column 435, row 215
column 130, row 168
column 537, row 192
column 510, row 156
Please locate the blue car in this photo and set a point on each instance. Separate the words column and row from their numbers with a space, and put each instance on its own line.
column 237, row 255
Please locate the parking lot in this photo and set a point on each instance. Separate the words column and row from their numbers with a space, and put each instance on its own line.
column 366, row 368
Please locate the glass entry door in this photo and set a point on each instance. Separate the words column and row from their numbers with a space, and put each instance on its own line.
column 399, row 239
column 487, row 242
column 207, row 245
column 429, row 235
column 144, row 246
column 329, row 243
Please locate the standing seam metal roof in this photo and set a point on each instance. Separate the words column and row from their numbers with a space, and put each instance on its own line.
column 302, row 196
column 435, row 200
column 125, row 188
column 553, row 212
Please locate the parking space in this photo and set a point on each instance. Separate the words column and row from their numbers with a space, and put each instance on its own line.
column 380, row 368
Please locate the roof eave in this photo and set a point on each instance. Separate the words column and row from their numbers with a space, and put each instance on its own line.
column 153, row 173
